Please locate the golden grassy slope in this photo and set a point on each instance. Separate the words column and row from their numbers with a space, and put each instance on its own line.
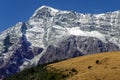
column 104, row 66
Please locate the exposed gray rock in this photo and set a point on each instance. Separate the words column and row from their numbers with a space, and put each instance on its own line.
column 47, row 36
column 19, row 53
column 76, row 46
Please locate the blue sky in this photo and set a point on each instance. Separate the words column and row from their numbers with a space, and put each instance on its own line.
column 13, row 11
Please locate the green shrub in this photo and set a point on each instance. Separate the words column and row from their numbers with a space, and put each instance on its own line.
column 37, row 73
column 73, row 70
column 89, row 67
column 98, row 62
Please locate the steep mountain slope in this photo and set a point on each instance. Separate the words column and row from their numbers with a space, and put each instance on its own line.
column 52, row 34
column 76, row 46
column 104, row 66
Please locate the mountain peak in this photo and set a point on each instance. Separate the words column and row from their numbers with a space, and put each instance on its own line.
column 44, row 11
column 44, row 6
column 49, row 8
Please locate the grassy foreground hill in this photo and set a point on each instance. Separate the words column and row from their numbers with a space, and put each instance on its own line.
column 105, row 66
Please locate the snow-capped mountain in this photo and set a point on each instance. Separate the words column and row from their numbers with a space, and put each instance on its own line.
column 52, row 34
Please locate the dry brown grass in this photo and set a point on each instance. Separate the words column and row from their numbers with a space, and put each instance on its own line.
column 105, row 66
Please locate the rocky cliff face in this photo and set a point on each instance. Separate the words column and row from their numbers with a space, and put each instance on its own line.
column 51, row 35
column 16, row 56
column 76, row 46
